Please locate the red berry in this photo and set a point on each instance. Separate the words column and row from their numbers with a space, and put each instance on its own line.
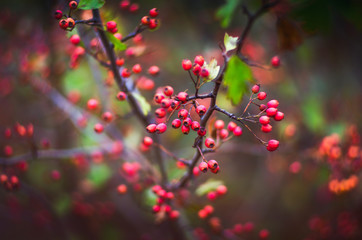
column 154, row 12
column 137, row 68
column 209, row 209
column 166, row 103
column 182, row 96
column 219, row 124
column 147, row 141
column 73, row 4
column 203, row 167
column 279, row 116
column 273, row 103
column 160, row 112
column 8, row 150
column 185, row 129
column 201, row 110
column 125, row 73
column 199, row 60
column 58, row 14
column 266, row 128
column 121, row 96
column 145, row 20
column 255, row 88
column 92, row 104
column 134, row 7
column 263, row 234
column 168, row 91
column 201, row 132
column 71, row 22
column 107, row 116
column 75, row 39
column 182, row 114
column 196, row 171
column 63, row 24
column 186, row 64
column 264, row 120
column 156, row 208
column 275, row 61
column 232, row 126
column 175, row 104
column 272, row 145
column 153, row 70
column 238, row 131
column 262, row 107
column 202, row 214
column 209, row 143
column 158, row 97
column 7, row 133
column 216, row 170
column 187, row 122
column 120, row 61
column 118, row 36
column 195, row 126
column 176, row 123
column 161, row 128
column 271, row 111
column 204, row 73
column 196, row 69
column 221, row 190
column 124, row 4
column 98, row 128
column 122, row 189
column 151, row 128
column 212, row 164
column 174, row 214
column 156, row 188
column 211, row 195
column 111, row 25
column 261, row 95
column 153, row 24
column 223, row 133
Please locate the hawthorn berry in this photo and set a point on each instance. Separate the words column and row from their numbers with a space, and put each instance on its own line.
column 125, row 73
column 98, row 128
column 63, row 24
column 275, row 61
column 216, row 170
column 212, row 164
column 266, row 128
column 272, row 145
column 166, row 103
column 7, row 133
column 158, row 97
column 160, row 112
column 186, row 64
column 71, row 22
column 137, row 68
column 209, row 143
column 195, row 126
column 8, row 150
column 204, row 73
column 147, row 141
column 154, row 12
column 111, row 25
column 182, row 114
column 185, row 129
column 279, row 116
column 168, row 91
column 151, row 128
column 145, row 20
column 263, row 234
column 264, row 120
column 156, row 208
column 118, row 36
column 176, row 123
column 187, row 122
column 223, row 133
column 262, row 107
column 201, row 132
column 161, row 128
column 238, row 131
column 58, row 14
column 153, row 24
column 203, row 167
column 75, row 39
column 201, row 110
column 273, row 103
column 134, row 7
column 122, row 189
column 120, row 61
column 261, row 95
column 121, row 96
column 92, row 104
column 175, row 104
column 170, row 195
column 209, row 209
column 182, row 96
column 196, row 69
column 73, row 4
column 211, row 195
column 124, row 4
column 221, row 190
column 199, row 60
column 202, row 214
column 107, row 116
column 271, row 111
column 174, row 214
column 153, row 70
column 255, row 88
column 196, row 171
column 219, row 124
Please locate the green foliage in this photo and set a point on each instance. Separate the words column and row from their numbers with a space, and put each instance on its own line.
column 99, row 174
column 208, row 186
column 237, row 77
column 62, row 204
column 226, row 12
column 90, row 4
column 79, row 80
column 313, row 114
column 145, row 106
column 118, row 45
column 230, row 42
column 149, row 198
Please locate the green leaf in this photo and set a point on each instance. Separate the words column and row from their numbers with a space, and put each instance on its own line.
column 149, row 198
column 99, row 174
column 313, row 114
column 118, row 45
column 230, row 42
column 225, row 12
column 145, row 106
column 90, row 4
column 213, row 69
column 208, row 186
column 237, row 77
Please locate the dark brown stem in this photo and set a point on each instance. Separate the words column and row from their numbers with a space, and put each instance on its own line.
column 139, row 29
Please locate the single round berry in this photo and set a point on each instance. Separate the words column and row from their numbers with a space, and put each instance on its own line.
column 182, row 114
column 279, row 116
column 223, row 133
column 211, row 195
column 92, row 104
column 161, row 128
column 175, row 105
column 134, row 7
column 111, row 25
column 199, row 60
column 264, row 120
column 187, row 122
column 58, row 14
column 263, row 234
column 275, row 61
column 176, row 123
column 182, row 96
column 174, row 214
column 212, row 164
column 201, row 110
column 266, row 128
column 221, row 190
column 151, row 128
column 145, row 20
column 124, row 4
column 73, row 4
column 120, row 62
column 255, row 88
column 71, row 22
column 185, row 129
column 201, row 132
column 261, row 95
column 122, row 189
column 195, row 126
column 121, row 96
column 166, row 103
column 147, row 141
column 262, row 107
column 75, row 39
column 273, row 103
column 186, row 64
column 272, row 145
column 137, row 68
column 125, row 73
column 160, row 112
column 196, row 69
column 118, row 36
column 270, row 112
column 209, row 143
column 204, row 73
column 153, row 70
column 232, row 126
column 98, row 128
column 219, row 124
column 153, row 24
column 168, row 91
column 107, row 117
column 203, row 167
column 63, row 24
column 158, row 98
column 154, row 12
column 238, row 131
column 156, row 208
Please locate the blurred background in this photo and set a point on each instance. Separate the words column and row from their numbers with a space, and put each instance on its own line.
column 308, row 189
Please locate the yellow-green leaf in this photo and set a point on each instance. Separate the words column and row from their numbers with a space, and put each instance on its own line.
column 142, row 102
column 208, row 186
column 230, row 42
column 118, row 45
column 213, row 69
column 236, row 78
column 226, row 12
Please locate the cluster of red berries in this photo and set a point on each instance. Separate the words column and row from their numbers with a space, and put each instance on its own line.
column 22, row 131
column 151, row 20
column 197, row 66
column 127, row 5
column 162, row 202
column 206, row 211
column 218, row 192
column 10, row 183
column 66, row 22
